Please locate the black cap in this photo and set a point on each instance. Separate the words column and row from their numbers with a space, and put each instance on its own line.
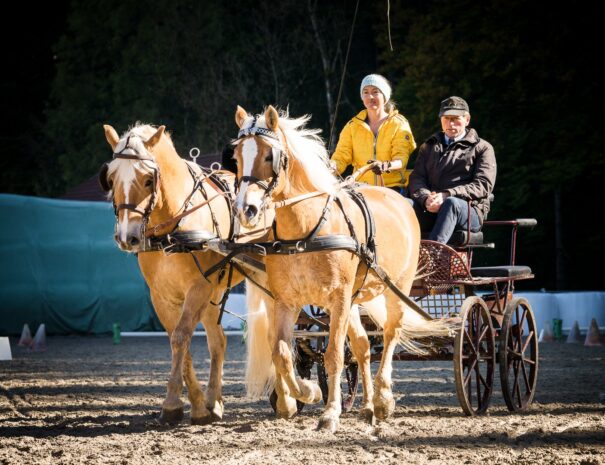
column 455, row 106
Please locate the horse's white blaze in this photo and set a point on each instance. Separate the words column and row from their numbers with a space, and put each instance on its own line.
column 249, row 153
column 127, row 174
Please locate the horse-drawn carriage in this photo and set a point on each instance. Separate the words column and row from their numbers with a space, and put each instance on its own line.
column 329, row 246
column 495, row 327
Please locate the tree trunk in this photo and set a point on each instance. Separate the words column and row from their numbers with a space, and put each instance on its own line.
column 325, row 62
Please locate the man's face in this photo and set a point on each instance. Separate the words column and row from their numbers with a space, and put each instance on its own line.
column 454, row 126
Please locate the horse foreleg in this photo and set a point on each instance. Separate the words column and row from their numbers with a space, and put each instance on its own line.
column 334, row 361
column 180, row 340
column 217, row 345
column 287, row 383
column 360, row 346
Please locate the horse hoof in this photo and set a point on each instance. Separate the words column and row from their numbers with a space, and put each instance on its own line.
column 367, row 415
column 286, row 414
column 383, row 412
column 327, row 424
column 171, row 417
column 201, row 421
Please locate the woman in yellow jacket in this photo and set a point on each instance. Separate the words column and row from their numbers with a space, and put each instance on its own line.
column 377, row 133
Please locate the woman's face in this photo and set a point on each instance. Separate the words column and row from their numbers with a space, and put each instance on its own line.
column 372, row 98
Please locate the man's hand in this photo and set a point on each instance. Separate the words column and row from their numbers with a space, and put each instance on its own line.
column 435, row 200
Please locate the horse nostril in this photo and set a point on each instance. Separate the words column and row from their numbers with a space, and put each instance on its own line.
column 133, row 240
column 116, row 238
column 250, row 211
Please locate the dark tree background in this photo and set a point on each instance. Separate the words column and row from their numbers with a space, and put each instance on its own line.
column 527, row 69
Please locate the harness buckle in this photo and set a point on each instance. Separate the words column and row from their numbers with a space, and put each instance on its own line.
column 277, row 246
column 301, row 246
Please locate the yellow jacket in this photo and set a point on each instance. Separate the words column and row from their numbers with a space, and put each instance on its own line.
column 357, row 145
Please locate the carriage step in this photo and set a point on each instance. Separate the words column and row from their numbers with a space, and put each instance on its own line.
column 500, row 271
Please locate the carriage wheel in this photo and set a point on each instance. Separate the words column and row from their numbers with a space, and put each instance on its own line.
column 518, row 355
column 351, row 383
column 474, row 357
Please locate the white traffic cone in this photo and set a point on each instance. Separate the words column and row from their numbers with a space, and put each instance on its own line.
column 546, row 334
column 26, row 337
column 574, row 334
column 593, row 337
column 5, row 349
column 39, row 342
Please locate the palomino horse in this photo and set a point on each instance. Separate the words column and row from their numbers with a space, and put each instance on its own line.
column 150, row 185
column 281, row 163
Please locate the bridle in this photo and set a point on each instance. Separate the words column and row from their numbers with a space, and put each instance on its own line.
column 131, row 206
column 279, row 160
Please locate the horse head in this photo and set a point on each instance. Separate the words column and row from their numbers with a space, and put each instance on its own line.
column 261, row 157
column 132, row 181
column 277, row 158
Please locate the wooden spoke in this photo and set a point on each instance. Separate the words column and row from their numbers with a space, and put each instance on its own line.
column 518, row 355
column 474, row 357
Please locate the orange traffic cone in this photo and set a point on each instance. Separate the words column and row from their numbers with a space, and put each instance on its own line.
column 593, row 337
column 26, row 336
column 546, row 334
column 39, row 342
column 574, row 334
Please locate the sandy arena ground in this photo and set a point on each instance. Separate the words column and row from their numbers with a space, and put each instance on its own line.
column 88, row 401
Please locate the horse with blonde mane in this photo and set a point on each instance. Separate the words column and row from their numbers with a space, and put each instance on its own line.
column 151, row 187
column 280, row 163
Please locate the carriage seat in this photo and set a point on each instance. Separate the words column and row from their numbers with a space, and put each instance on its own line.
column 500, row 271
column 461, row 237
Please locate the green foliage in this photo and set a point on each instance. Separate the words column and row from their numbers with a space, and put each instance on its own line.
column 185, row 64
column 527, row 75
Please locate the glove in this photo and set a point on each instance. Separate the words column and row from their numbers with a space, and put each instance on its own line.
column 381, row 167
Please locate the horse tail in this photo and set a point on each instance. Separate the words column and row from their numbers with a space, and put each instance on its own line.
column 418, row 333
column 415, row 328
column 260, row 371
column 376, row 309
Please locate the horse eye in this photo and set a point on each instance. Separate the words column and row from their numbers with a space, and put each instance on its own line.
column 149, row 183
column 269, row 157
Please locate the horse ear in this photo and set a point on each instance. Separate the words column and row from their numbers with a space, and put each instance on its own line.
column 111, row 135
column 153, row 140
column 240, row 116
column 271, row 118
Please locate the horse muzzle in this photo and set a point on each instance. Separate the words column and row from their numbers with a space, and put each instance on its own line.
column 130, row 237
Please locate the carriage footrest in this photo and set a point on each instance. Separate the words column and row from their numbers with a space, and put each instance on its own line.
column 500, row 271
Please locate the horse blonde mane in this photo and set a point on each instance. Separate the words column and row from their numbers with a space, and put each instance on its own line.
column 144, row 131
column 305, row 145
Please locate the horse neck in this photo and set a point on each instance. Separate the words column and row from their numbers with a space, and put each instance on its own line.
column 176, row 182
column 298, row 219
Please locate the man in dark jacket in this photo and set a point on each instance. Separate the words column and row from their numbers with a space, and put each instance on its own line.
column 454, row 167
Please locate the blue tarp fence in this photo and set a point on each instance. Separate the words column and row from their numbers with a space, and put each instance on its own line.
column 60, row 266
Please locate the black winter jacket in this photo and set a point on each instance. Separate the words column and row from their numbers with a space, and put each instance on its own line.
column 465, row 169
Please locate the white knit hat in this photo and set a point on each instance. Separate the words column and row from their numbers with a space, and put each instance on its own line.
column 378, row 81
